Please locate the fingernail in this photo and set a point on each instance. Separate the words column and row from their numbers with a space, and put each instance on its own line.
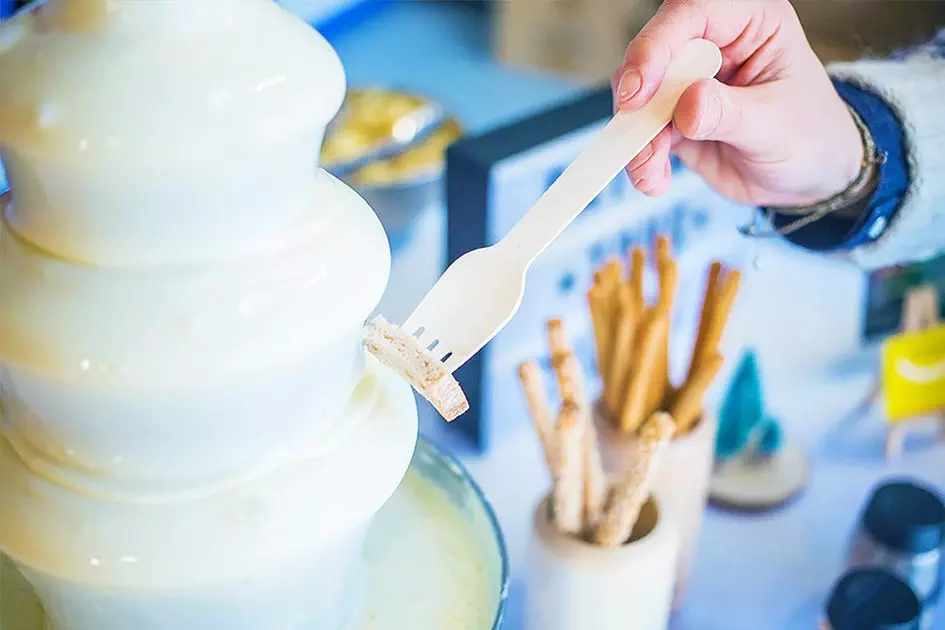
column 629, row 85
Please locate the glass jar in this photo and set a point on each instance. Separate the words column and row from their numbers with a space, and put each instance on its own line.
column 903, row 530
column 872, row 598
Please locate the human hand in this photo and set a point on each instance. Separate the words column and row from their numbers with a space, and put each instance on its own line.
column 769, row 130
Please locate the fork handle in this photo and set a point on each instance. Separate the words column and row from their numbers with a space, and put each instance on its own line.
column 608, row 154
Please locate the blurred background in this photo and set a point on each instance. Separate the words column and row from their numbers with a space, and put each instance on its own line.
column 522, row 84
column 525, row 83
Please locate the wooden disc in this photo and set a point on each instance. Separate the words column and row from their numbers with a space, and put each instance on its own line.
column 744, row 485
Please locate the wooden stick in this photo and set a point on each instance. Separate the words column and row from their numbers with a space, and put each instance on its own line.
column 629, row 497
column 598, row 299
column 642, row 374
column 596, row 484
column 538, row 409
column 708, row 301
column 568, row 490
column 687, row 407
column 637, row 264
column 615, row 390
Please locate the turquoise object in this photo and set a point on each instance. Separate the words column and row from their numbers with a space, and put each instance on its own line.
column 743, row 423
column 769, row 437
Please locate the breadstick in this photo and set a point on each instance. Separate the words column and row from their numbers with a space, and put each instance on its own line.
column 598, row 299
column 687, row 407
column 663, row 250
column 615, row 390
column 637, row 262
column 708, row 302
column 535, row 396
column 570, row 380
column 566, row 366
column 568, row 490
column 614, row 272
column 629, row 496
column 669, row 280
column 721, row 309
column 668, row 283
column 642, row 374
column 402, row 353
column 596, row 483
column 659, row 379
column 557, row 338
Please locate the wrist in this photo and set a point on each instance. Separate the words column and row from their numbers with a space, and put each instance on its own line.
column 844, row 160
column 857, row 175
column 855, row 158
column 886, row 181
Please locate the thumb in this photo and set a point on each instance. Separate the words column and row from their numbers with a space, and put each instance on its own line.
column 710, row 110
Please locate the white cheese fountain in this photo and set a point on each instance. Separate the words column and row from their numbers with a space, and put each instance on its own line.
column 193, row 439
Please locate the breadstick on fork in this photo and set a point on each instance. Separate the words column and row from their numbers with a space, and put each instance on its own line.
column 568, row 490
column 537, row 400
column 402, row 353
column 687, row 406
column 642, row 373
column 629, row 496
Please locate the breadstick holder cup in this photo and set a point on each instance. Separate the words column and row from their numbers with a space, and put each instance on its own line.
column 681, row 484
column 573, row 584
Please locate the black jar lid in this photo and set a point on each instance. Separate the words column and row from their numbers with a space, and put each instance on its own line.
column 905, row 516
column 872, row 598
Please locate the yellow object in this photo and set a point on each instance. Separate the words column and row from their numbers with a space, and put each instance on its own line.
column 913, row 374
column 424, row 158
column 371, row 119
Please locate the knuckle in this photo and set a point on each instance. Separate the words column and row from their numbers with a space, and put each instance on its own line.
column 643, row 48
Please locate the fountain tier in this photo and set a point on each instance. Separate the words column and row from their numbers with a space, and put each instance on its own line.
column 122, row 122
column 114, row 370
column 280, row 550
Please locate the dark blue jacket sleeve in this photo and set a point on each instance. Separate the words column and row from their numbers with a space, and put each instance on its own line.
column 835, row 233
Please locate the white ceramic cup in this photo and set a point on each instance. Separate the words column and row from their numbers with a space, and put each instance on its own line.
column 681, row 485
column 574, row 584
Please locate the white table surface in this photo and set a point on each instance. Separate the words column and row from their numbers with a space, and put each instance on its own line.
column 801, row 313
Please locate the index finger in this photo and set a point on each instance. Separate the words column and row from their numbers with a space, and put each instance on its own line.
column 675, row 24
